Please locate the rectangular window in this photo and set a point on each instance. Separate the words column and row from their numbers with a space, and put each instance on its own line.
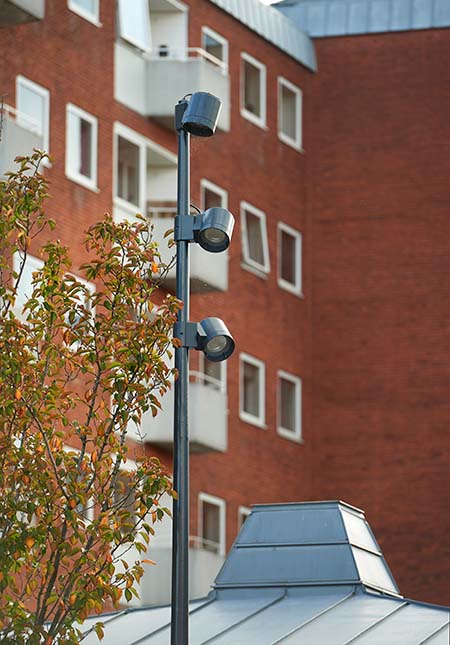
column 33, row 102
column 88, row 9
column 289, row 259
column 253, row 90
column 134, row 23
column 289, row 113
column 255, row 248
column 252, row 390
column 124, row 499
column 212, row 523
column 128, row 171
column 212, row 196
column 289, row 406
column 81, row 146
column 212, row 374
column 216, row 46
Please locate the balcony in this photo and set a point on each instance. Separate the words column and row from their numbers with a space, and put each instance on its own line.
column 17, row 12
column 19, row 135
column 204, row 565
column 209, row 271
column 151, row 83
column 208, row 417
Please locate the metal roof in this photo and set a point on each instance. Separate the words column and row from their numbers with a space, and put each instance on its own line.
column 295, row 575
column 351, row 17
column 274, row 27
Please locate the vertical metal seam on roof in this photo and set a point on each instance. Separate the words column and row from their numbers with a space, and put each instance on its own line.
column 436, row 632
column 377, row 622
column 243, row 620
column 310, row 620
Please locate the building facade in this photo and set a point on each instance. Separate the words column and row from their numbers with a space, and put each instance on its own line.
column 333, row 286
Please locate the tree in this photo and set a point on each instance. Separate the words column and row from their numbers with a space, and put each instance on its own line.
column 77, row 366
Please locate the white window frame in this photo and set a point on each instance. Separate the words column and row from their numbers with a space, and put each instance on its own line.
column 297, row 142
column 34, row 264
column 260, row 420
column 243, row 511
column 248, row 262
column 296, row 287
column 222, row 382
column 257, row 120
column 295, row 435
column 207, row 31
column 121, row 130
column 71, row 173
column 143, row 46
column 216, row 501
column 209, row 185
column 21, row 81
column 94, row 18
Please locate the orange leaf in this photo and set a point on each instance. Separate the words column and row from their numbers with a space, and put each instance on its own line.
column 154, row 267
column 94, row 457
column 149, row 561
column 18, row 394
column 29, row 541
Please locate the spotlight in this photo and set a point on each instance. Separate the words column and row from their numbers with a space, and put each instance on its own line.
column 215, row 341
column 216, row 229
column 201, row 114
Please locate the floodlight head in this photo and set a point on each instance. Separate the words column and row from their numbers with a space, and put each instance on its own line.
column 215, row 341
column 216, row 229
column 201, row 114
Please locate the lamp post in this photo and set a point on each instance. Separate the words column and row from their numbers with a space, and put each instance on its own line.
column 196, row 115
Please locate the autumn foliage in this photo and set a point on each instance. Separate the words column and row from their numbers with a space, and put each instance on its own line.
column 77, row 366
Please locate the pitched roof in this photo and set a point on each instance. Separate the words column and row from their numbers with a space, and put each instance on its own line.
column 273, row 27
column 352, row 17
column 297, row 573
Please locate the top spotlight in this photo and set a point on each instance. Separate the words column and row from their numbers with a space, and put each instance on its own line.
column 201, row 114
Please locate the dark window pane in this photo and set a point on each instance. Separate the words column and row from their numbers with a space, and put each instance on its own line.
column 251, row 402
column 288, row 257
column 211, row 527
column 128, row 171
column 252, row 88
column 85, row 148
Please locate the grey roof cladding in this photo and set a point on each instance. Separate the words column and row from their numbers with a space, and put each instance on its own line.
column 273, row 27
column 305, row 544
column 257, row 603
column 321, row 18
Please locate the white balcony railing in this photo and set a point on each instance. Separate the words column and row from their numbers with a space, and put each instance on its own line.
column 151, row 83
column 19, row 134
column 208, row 417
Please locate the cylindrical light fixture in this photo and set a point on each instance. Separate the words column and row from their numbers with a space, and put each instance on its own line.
column 216, row 342
column 201, row 114
column 216, row 229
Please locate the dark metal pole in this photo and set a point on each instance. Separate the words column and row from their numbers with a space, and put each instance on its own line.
column 180, row 539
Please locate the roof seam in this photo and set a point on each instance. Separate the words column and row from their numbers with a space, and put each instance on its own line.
column 310, row 620
column 377, row 622
column 243, row 620
column 436, row 631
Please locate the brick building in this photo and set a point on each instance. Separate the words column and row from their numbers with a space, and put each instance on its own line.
column 333, row 284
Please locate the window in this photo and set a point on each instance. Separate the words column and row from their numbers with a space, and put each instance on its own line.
column 26, row 287
column 145, row 175
column 33, row 102
column 125, row 500
column 212, row 374
column 81, row 146
column 253, row 90
column 128, row 171
column 212, row 523
column 134, row 23
column 289, row 113
column 252, row 390
column 255, row 249
column 212, row 196
column 216, row 46
column 289, row 406
column 88, row 9
column 243, row 513
column 289, row 259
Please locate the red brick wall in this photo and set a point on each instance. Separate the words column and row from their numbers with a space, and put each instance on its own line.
column 378, row 215
column 74, row 60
